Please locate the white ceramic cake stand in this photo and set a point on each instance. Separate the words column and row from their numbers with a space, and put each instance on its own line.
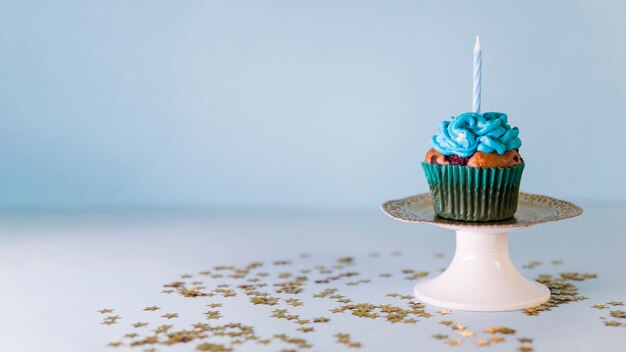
column 481, row 276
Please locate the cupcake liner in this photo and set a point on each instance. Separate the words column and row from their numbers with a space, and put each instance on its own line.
column 473, row 194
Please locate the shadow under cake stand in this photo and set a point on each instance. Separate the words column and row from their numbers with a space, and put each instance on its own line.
column 481, row 276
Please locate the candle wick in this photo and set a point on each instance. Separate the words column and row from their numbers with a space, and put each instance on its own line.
column 477, row 45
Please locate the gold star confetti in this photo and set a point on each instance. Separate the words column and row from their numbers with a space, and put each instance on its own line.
column 294, row 302
column 213, row 314
column 270, row 301
column 105, row 311
column 525, row 349
column 616, row 303
column 453, row 342
column 618, row 314
column 467, row 333
column 162, row 329
column 525, row 340
column 344, row 339
column 613, row 323
column 321, row 320
column 600, row 306
column 499, row 330
column 212, row 347
column 115, row 344
column 532, row 264
column 262, row 288
column 139, row 325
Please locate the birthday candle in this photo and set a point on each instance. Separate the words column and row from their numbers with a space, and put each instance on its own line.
column 478, row 70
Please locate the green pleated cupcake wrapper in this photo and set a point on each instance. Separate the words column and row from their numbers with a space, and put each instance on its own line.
column 474, row 194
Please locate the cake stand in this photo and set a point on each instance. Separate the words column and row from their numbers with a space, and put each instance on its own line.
column 481, row 276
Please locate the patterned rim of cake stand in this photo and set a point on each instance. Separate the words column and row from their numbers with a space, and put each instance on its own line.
column 532, row 209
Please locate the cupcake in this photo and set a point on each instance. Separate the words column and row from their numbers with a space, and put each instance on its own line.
column 474, row 167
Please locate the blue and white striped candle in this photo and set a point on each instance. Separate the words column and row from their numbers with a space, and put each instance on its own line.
column 478, row 70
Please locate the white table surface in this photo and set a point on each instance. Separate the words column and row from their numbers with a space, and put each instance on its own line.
column 57, row 270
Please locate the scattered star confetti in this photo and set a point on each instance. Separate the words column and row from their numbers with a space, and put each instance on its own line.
column 295, row 286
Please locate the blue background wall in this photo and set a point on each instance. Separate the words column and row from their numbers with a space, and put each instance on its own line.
column 316, row 104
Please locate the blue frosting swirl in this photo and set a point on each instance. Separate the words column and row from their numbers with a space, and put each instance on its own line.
column 470, row 132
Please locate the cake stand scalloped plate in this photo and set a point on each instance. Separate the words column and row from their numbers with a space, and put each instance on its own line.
column 481, row 276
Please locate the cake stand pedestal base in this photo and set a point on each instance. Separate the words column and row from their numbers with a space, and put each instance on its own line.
column 481, row 277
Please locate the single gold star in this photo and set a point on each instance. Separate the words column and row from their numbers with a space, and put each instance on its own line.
column 440, row 336
column 467, row 333
column 169, row 315
column 497, row 339
column 616, row 303
column 459, row 327
column 453, row 342
column 139, row 325
column 105, row 311
column 500, row 329
column 212, row 347
column 600, row 306
column 612, row 323
column 162, row 329
column 444, row 311
column 130, row 336
column 201, row 326
column 214, row 305
column 152, row 308
column 321, row 320
column 482, row 343
column 525, row 340
column 115, row 344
